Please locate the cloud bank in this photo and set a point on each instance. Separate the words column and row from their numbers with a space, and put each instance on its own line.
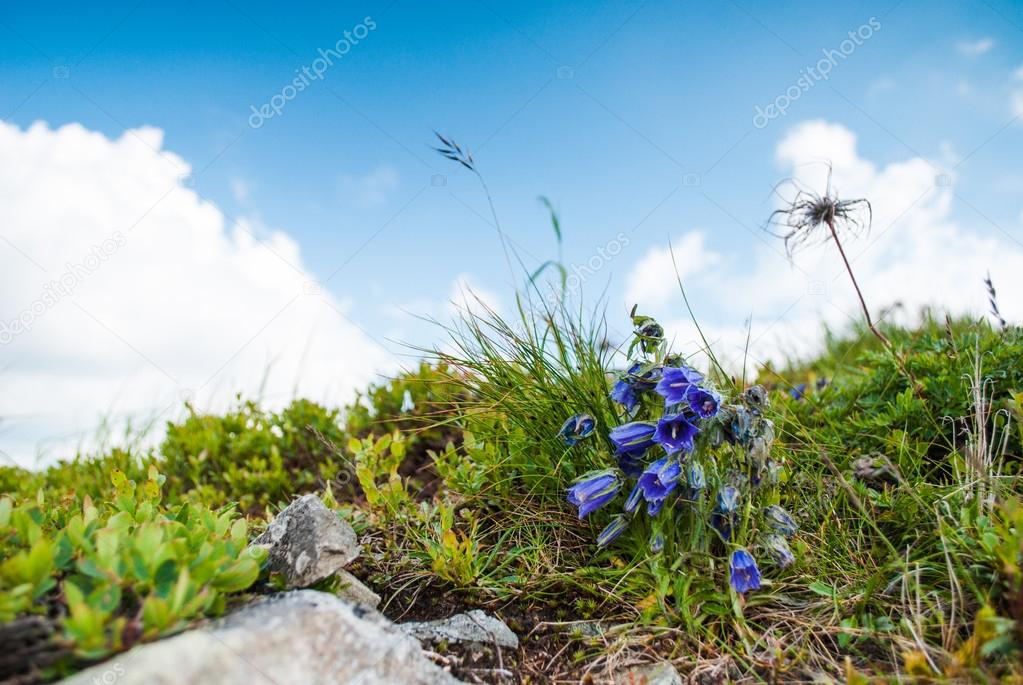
column 126, row 293
column 914, row 256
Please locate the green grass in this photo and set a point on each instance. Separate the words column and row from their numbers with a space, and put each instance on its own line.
column 908, row 555
column 917, row 576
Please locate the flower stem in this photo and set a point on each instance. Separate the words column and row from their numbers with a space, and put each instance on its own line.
column 917, row 388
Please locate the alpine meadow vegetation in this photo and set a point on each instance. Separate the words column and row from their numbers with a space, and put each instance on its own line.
column 855, row 516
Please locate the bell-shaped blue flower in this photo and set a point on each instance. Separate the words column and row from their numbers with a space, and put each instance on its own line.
column 778, row 547
column 743, row 572
column 675, row 383
column 623, row 392
column 780, row 520
column 576, row 428
column 703, row 401
column 593, row 490
column 675, row 433
column 798, row 392
column 658, row 481
column 632, row 437
column 657, row 542
column 612, row 531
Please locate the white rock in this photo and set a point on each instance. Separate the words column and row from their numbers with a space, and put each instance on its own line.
column 303, row 637
column 355, row 591
column 308, row 542
column 474, row 626
column 658, row 674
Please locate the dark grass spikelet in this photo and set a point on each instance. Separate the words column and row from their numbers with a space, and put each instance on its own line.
column 453, row 151
column 992, row 298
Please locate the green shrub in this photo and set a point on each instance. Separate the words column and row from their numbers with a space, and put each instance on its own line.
column 417, row 404
column 123, row 568
column 253, row 457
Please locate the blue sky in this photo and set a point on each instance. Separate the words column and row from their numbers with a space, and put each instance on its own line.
column 632, row 117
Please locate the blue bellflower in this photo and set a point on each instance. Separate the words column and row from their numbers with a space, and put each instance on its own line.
column 675, row 433
column 632, row 437
column 675, row 383
column 703, row 401
column 744, row 574
column 627, row 388
column 624, row 393
column 593, row 490
column 657, row 482
column 576, row 428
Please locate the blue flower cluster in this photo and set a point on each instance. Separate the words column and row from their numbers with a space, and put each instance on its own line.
column 674, row 420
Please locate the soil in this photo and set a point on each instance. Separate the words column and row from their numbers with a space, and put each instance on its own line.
column 546, row 644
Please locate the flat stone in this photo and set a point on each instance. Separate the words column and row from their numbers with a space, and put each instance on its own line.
column 308, row 542
column 305, row 637
column 474, row 626
column 355, row 591
column 658, row 674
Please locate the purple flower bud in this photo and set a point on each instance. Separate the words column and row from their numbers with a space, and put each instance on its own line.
column 778, row 548
column 780, row 520
column 593, row 490
column 576, row 428
column 612, row 531
column 630, row 437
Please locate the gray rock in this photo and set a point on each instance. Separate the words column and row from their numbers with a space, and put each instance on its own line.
column 658, row 674
column 308, row 542
column 305, row 637
column 474, row 626
column 353, row 590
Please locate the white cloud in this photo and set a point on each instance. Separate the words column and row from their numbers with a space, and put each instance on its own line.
column 372, row 189
column 914, row 255
column 1016, row 98
column 143, row 294
column 975, row 48
column 646, row 281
